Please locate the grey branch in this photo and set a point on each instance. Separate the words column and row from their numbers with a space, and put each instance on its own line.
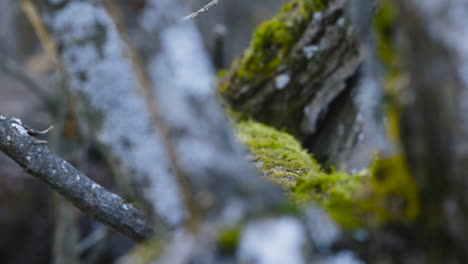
column 202, row 10
column 39, row 161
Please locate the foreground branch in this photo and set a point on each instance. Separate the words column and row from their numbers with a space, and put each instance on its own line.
column 90, row 197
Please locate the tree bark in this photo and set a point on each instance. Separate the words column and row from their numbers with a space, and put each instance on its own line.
column 309, row 81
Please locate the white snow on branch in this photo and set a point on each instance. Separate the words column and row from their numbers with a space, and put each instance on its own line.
column 342, row 257
column 23, row 131
column 282, row 80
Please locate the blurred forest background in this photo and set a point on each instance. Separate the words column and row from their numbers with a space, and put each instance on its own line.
column 272, row 131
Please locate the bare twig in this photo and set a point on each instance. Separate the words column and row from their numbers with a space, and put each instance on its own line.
column 202, row 10
column 39, row 161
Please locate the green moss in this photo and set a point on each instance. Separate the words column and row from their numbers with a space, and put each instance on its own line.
column 385, row 193
column 145, row 252
column 271, row 43
column 288, row 207
column 229, row 240
column 335, row 191
column 394, row 193
column 221, row 73
column 392, row 122
column 384, row 24
column 278, row 155
column 318, row 5
column 282, row 160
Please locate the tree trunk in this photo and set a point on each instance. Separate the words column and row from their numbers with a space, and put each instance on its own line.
column 435, row 124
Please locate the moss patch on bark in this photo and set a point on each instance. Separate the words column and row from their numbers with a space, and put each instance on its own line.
column 382, row 194
column 271, row 43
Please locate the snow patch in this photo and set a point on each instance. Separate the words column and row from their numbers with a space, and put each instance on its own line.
column 16, row 120
column 23, row 131
column 341, row 21
column 310, row 51
column 282, row 80
column 323, row 231
column 342, row 257
column 273, row 241
column 318, row 16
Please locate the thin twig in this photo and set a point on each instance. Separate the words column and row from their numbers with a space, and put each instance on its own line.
column 202, row 10
column 93, row 199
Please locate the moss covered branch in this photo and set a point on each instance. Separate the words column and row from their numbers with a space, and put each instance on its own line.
column 383, row 194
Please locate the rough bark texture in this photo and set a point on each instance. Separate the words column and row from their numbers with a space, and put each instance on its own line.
column 302, row 74
column 83, row 192
column 435, row 124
